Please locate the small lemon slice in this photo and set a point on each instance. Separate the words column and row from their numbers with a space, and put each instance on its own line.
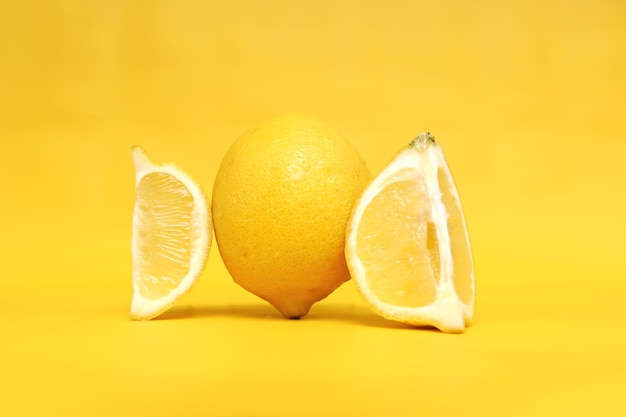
column 171, row 236
column 407, row 244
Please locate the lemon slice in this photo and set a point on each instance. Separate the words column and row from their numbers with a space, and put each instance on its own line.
column 171, row 236
column 407, row 244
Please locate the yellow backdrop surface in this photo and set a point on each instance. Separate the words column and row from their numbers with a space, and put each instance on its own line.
column 527, row 98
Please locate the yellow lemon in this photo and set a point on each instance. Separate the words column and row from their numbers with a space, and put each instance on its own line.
column 281, row 202
column 171, row 236
column 407, row 243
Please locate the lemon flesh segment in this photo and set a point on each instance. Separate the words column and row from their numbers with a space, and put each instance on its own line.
column 389, row 257
column 171, row 236
column 407, row 244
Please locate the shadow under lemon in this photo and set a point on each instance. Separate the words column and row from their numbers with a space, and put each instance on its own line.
column 329, row 312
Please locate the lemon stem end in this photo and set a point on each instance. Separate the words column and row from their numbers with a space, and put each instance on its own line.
column 422, row 141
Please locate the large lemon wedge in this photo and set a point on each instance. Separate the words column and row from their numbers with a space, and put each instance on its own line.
column 407, row 244
column 171, row 236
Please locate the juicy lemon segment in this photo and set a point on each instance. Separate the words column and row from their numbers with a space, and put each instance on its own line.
column 378, row 239
column 171, row 236
column 462, row 262
column 407, row 243
column 165, row 234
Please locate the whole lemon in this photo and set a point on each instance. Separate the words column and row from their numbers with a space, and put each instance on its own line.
column 281, row 202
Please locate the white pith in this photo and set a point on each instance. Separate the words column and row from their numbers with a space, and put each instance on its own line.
column 447, row 312
column 143, row 308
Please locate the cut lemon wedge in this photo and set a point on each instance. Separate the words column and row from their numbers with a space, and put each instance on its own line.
column 171, row 236
column 407, row 244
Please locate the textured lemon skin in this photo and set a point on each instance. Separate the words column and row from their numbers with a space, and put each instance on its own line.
column 281, row 202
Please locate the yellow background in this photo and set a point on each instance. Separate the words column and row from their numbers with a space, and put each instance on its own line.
column 528, row 99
